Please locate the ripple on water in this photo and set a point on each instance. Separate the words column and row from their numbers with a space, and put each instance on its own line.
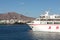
column 46, row 36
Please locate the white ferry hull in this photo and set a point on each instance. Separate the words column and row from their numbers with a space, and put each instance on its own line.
column 47, row 28
column 46, row 23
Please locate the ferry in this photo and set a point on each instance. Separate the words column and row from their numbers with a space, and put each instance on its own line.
column 46, row 22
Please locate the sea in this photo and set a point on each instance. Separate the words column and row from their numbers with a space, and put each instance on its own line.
column 24, row 32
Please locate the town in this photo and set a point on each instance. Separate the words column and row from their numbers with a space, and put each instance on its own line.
column 13, row 17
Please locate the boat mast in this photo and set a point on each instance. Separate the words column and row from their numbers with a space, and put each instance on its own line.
column 46, row 13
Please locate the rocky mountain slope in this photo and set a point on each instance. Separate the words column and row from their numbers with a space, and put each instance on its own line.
column 14, row 15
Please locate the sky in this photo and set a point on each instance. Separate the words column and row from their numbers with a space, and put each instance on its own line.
column 31, row 8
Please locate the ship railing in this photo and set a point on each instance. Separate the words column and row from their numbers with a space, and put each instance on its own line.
column 49, row 18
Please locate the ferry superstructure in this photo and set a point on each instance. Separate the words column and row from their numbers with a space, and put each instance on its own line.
column 46, row 22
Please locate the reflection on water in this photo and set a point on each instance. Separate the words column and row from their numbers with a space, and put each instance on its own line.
column 46, row 36
column 22, row 32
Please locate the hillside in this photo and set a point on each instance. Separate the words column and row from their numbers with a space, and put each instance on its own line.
column 14, row 15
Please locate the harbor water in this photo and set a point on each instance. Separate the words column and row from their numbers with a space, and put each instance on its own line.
column 23, row 32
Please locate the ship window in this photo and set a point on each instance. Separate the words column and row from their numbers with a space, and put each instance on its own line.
column 42, row 16
column 49, row 22
column 43, row 19
column 50, row 19
column 37, row 19
column 56, row 22
column 42, row 22
column 57, row 16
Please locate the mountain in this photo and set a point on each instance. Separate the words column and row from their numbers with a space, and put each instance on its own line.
column 14, row 15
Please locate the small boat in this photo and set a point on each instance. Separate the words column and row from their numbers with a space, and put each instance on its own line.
column 46, row 23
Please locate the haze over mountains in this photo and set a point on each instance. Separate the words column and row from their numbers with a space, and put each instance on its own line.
column 14, row 15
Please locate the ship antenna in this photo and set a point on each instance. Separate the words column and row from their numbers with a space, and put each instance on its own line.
column 46, row 13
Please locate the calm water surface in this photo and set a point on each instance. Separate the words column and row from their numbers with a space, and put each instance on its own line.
column 22, row 32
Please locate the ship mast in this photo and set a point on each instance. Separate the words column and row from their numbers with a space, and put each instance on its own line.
column 46, row 13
